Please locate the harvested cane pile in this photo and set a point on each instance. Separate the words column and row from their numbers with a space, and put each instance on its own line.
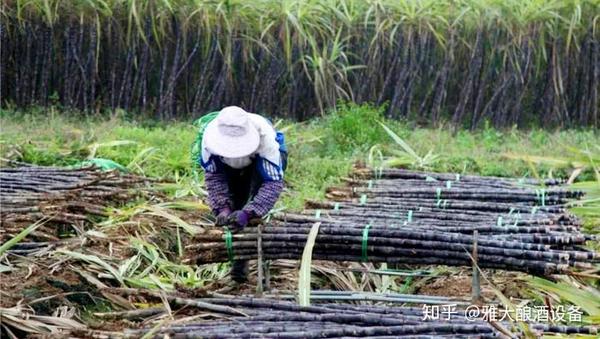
column 60, row 197
column 245, row 317
column 405, row 217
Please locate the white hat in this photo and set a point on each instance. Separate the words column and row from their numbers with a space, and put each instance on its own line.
column 232, row 134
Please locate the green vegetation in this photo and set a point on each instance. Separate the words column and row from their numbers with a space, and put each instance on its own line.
column 516, row 62
column 321, row 151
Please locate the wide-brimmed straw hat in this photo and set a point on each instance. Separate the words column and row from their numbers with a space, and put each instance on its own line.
column 232, row 134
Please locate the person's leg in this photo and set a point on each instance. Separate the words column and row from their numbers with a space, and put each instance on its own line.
column 239, row 187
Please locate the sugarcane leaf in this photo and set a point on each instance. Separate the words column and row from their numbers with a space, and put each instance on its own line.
column 94, row 260
column 141, row 157
column 4, row 268
column 587, row 299
column 21, row 235
column 403, row 144
column 305, row 266
column 159, row 211
column 93, row 148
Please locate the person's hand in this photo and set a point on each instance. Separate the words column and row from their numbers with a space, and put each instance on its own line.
column 223, row 217
column 239, row 219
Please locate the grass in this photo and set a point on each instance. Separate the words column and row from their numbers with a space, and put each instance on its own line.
column 321, row 150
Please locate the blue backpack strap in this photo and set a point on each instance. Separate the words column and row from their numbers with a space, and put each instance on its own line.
column 280, row 137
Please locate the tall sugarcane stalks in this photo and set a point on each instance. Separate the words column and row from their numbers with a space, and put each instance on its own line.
column 61, row 196
column 271, row 318
column 172, row 58
column 420, row 218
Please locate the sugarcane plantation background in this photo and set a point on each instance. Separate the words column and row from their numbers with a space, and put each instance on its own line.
column 507, row 62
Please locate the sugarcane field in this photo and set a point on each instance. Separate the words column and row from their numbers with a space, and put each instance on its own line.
column 299, row 169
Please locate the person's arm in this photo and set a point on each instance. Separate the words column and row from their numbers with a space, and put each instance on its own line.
column 216, row 184
column 218, row 191
column 270, row 166
column 265, row 198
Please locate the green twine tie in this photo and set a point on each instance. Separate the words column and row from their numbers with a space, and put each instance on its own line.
column 457, row 177
column 318, row 214
column 409, row 216
column 228, row 243
column 365, row 239
column 541, row 196
column 378, row 172
column 336, row 206
column 499, row 222
column 533, row 210
column 363, row 199
column 438, row 194
column 370, row 184
column 448, row 184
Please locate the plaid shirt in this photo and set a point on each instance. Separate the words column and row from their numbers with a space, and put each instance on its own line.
column 267, row 160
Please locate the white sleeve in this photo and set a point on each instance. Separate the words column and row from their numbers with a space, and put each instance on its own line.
column 269, row 147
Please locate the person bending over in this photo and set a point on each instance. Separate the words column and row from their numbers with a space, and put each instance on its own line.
column 243, row 158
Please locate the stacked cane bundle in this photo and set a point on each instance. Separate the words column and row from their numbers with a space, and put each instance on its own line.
column 59, row 196
column 419, row 218
column 244, row 317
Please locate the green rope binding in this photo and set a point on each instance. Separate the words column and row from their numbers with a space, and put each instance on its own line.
column 365, row 239
column 378, row 172
column 336, row 206
column 499, row 221
column 533, row 210
column 363, row 199
column 442, row 203
column 438, row 194
column 543, row 196
column 228, row 242
column 448, row 184
column 370, row 184
column 318, row 214
column 540, row 196
column 409, row 216
column 457, row 177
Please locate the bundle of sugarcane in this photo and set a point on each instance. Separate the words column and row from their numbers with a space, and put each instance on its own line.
column 429, row 191
column 556, row 228
column 380, row 243
column 60, row 196
column 556, row 236
column 503, row 208
column 446, row 190
column 246, row 317
column 414, row 218
column 398, row 173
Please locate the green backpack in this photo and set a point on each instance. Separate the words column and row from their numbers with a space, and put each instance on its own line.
column 196, row 153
